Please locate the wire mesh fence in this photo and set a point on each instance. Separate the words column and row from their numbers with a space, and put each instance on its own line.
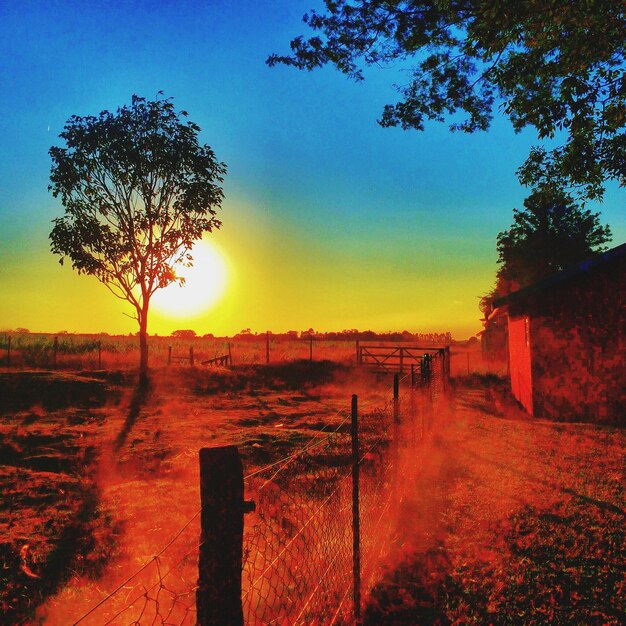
column 161, row 591
column 297, row 544
column 298, row 559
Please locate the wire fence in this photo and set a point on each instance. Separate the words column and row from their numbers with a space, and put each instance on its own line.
column 298, row 561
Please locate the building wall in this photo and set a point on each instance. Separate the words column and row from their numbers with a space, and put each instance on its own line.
column 519, row 361
column 578, row 347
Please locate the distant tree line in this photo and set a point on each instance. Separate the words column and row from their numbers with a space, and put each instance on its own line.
column 344, row 335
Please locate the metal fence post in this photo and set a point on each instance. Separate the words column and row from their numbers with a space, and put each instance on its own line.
column 356, row 519
column 218, row 597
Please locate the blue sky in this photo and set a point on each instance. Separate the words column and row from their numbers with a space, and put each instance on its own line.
column 326, row 213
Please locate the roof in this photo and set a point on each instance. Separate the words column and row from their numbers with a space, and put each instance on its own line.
column 599, row 260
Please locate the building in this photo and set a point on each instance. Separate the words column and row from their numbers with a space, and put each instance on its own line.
column 567, row 341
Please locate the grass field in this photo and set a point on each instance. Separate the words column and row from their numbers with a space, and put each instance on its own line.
column 508, row 520
column 107, row 352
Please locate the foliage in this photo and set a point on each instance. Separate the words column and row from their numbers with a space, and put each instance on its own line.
column 549, row 234
column 138, row 190
column 184, row 334
column 555, row 65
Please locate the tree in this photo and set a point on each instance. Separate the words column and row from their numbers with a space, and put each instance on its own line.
column 138, row 190
column 184, row 334
column 556, row 65
column 549, row 234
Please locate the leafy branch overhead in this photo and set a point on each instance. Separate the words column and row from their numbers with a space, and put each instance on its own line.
column 555, row 65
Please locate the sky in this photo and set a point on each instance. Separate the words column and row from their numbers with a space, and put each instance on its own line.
column 329, row 221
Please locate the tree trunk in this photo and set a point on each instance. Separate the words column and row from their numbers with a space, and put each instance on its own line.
column 143, row 345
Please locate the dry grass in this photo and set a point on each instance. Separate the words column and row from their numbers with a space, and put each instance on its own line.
column 508, row 519
column 514, row 521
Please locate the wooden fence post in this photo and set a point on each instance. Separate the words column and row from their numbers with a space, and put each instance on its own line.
column 446, row 369
column 356, row 519
column 218, row 597
column 191, row 355
column 396, row 397
column 55, row 350
column 267, row 346
column 9, row 351
column 169, row 355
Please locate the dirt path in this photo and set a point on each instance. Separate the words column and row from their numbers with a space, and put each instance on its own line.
column 149, row 480
column 511, row 520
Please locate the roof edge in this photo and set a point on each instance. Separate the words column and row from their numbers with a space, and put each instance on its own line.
column 593, row 262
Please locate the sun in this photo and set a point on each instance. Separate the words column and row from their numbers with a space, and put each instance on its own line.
column 205, row 284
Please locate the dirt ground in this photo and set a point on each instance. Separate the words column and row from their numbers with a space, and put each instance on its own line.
column 509, row 520
column 95, row 488
column 505, row 519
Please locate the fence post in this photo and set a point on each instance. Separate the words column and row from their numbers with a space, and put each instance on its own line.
column 230, row 355
column 311, row 347
column 55, row 350
column 191, row 355
column 396, row 397
column 446, row 369
column 218, row 597
column 401, row 359
column 412, row 375
column 267, row 346
column 9, row 351
column 169, row 355
column 356, row 518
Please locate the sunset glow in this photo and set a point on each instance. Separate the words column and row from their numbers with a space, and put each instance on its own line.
column 205, row 284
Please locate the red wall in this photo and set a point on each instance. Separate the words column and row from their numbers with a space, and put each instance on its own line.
column 519, row 361
column 577, row 347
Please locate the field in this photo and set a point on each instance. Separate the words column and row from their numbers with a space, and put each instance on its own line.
column 119, row 352
column 502, row 519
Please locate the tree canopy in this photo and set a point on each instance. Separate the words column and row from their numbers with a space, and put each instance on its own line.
column 549, row 234
column 138, row 190
column 556, row 65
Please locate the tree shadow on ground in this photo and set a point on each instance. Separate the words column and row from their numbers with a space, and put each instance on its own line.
column 139, row 397
column 85, row 538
